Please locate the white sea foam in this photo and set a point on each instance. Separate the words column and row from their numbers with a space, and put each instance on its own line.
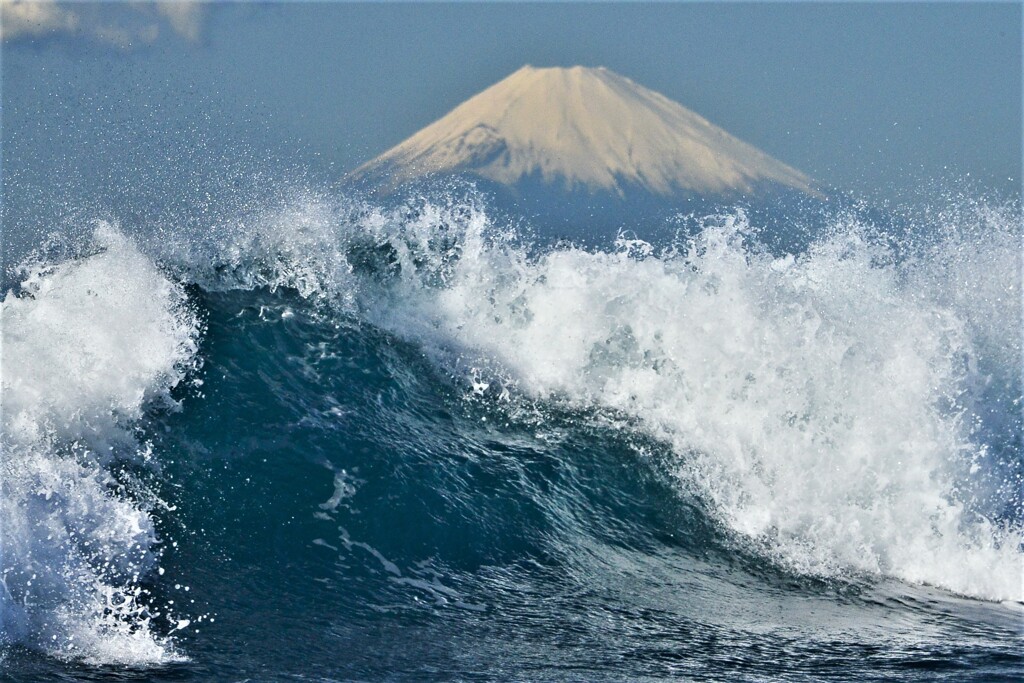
column 824, row 405
column 88, row 345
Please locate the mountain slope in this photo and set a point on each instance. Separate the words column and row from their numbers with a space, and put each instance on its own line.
column 582, row 129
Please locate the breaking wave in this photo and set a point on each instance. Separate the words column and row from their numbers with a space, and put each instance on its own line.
column 850, row 412
column 89, row 346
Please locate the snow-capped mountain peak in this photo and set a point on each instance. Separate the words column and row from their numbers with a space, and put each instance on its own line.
column 582, row 128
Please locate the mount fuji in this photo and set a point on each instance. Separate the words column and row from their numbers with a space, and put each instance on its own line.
column 583, row 129
column 587, row 148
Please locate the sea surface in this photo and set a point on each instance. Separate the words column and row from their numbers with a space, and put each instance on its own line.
column 316, row 438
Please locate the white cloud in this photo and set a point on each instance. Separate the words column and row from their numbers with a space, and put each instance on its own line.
column 186, row 18
column 125, row 25
column 34, row 18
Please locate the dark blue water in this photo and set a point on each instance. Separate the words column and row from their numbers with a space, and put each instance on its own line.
column 344, row 444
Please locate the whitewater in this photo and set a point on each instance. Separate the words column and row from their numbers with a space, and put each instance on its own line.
column 845, row 417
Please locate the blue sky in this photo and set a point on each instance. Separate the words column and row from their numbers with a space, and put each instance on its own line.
column 878, row 99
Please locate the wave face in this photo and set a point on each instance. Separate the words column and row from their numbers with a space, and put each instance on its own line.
column 414, row 425
column 821, row 405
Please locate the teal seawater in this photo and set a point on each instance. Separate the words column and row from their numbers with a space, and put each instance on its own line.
column 350, row 443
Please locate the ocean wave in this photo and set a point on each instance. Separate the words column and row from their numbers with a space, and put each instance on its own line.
column 848, row 410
